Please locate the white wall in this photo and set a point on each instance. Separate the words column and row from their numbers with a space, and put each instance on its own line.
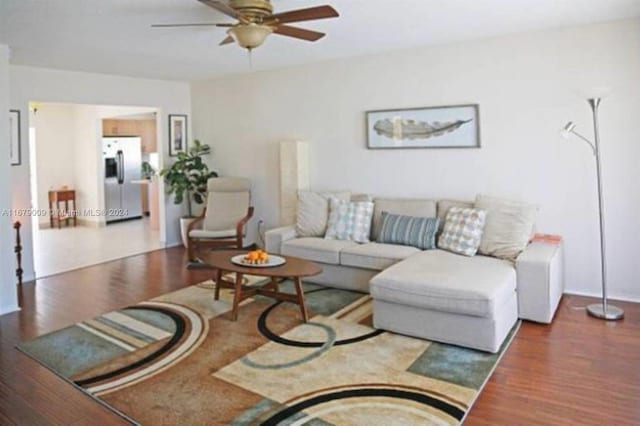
column 8, row 297
column 55, row 86
column 89, row 181
column 527, row 87
column 55, row 151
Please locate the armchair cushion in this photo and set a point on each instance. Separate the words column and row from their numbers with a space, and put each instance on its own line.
column 225, row 210
column 228, row 184
column 203, row 234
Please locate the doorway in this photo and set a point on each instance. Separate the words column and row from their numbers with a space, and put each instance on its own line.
column 94, row 184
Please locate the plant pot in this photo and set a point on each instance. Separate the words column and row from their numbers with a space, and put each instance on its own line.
column 184, row 224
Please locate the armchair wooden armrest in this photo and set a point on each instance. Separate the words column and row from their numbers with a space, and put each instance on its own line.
column 241, row 225
column 197, row 221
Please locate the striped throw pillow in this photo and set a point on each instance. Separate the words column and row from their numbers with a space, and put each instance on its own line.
column 419, row 232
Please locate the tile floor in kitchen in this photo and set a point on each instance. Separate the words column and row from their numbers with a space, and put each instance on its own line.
column 61, row 250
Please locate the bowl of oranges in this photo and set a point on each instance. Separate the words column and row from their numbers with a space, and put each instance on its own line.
column 258, row 259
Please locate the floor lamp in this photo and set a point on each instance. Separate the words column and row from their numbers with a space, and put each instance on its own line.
column 599, row 310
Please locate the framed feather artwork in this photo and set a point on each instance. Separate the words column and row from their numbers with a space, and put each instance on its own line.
column 456, row 126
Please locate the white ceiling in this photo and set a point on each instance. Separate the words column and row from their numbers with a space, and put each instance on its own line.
column 113, row 36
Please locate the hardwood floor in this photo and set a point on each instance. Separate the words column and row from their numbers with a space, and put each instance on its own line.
column 579, row 370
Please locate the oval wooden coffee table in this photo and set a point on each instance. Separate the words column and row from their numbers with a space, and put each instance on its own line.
column 295, row 269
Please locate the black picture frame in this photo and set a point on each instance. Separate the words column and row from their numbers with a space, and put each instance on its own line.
column 178, row 134
column 378, row 137
column 15, row 138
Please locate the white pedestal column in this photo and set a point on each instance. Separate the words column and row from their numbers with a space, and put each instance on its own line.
column 294, row 176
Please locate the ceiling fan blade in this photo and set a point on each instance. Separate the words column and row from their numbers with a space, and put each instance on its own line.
column 310, row 14
column 227, row 40
column 223, row 7
column 190, row 25
column 301, row 33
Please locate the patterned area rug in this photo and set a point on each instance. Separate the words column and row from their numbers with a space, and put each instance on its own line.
column 178, row 359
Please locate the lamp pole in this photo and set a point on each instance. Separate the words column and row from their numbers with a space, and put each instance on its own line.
column 603, row 310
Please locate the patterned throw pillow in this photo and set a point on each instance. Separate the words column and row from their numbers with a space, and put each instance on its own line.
column 462, row 231
column 313, row 212
column 349, row 221
column 419, row 232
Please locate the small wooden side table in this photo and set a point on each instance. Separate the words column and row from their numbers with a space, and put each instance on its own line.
column 56, row 213
column 295, row 269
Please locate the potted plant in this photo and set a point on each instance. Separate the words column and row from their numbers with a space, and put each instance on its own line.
column 147, row 171
column 187, row 180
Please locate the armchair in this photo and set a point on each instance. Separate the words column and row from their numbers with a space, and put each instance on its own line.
column 222, row 224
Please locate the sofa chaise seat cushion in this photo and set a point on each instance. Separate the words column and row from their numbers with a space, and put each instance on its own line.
column 448, row 282
column 316, row 249
column 375, row 256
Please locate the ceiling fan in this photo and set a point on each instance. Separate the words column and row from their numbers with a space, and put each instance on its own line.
column 256, row 21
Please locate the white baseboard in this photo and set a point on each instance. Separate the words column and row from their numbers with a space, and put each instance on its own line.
column 9, row 309
column 610, row 297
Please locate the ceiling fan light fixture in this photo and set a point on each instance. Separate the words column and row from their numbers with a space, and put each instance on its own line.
column 251, row 35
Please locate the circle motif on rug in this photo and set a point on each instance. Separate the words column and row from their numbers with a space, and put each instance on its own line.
column 400, row 394
column 331, row 338
column 266, row 332
column 190, row 331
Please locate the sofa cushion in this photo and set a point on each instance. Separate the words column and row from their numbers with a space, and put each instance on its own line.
column 447, row 282
column 375, row 256
column 508, row 228
column 419, row 232
column 316, row 249
column 313, row 212
column 407, row 207
column 361, row 197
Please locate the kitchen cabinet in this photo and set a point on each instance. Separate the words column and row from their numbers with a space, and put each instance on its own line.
column 110, row 128
column 147, row 132
column 145, row 129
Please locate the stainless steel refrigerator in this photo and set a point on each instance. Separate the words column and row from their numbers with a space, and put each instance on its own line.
column 122, row 166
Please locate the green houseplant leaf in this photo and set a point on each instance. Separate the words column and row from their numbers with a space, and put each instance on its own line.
column 187, row 177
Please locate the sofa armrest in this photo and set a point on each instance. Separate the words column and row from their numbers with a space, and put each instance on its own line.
column 540, row 271
column 275, row 237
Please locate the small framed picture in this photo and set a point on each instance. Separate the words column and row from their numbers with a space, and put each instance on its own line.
column 15, row 151
column 455, row 126
column 177, row 134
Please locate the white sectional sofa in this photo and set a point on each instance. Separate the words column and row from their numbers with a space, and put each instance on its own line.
column 435, row 294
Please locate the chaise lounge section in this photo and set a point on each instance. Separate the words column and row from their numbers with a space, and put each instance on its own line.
column 435, row 294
